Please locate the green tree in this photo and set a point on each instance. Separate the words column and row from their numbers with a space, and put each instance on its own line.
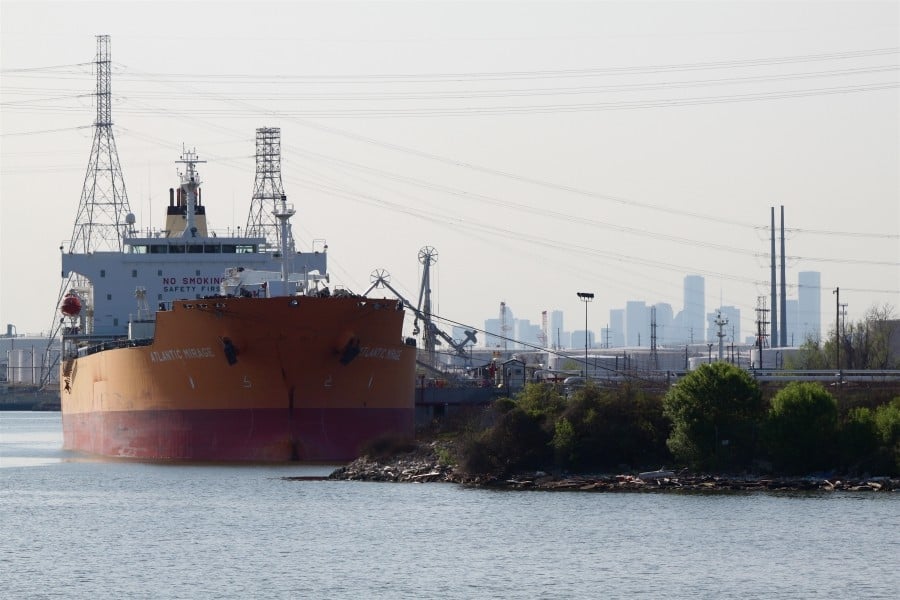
column 887, row 423
column 716, row 411
column 542, row 401
column 801, row 428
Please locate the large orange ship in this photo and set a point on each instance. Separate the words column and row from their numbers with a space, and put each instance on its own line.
column 248, row 355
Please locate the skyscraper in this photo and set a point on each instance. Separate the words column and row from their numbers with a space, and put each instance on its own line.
column 665, row 319
column 809, row 313
column 637, row 323
column 693, row 314
column 616, row 328
column 556, row 330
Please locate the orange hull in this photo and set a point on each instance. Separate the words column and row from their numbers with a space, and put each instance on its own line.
column 255, row 379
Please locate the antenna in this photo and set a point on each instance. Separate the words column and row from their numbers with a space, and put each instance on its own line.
column 267, row 189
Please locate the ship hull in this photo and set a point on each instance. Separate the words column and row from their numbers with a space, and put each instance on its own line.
column 250, row 435
column 246, row 379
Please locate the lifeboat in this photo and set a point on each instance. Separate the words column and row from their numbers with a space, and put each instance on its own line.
column 71, row 305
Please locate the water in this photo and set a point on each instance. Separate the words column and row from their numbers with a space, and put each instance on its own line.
column 72, row 527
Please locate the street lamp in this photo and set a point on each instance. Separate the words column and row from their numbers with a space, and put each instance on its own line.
column 585, row 297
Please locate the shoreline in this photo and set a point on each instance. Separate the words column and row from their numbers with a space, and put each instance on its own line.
column 423, row 466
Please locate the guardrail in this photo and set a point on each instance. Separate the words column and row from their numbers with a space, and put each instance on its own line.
column 858, row 375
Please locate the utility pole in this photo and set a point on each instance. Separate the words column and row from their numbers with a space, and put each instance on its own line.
column 837, row 324
column 721, row 322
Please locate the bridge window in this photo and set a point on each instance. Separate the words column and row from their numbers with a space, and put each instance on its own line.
column 195, row 249
column 159, row 249
column 176, row 249
column 228, row 248
column 246, row 249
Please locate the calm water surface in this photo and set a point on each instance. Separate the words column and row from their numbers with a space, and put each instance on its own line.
column 73, row 527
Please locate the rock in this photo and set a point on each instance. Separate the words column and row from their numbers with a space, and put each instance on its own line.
column 423, row 465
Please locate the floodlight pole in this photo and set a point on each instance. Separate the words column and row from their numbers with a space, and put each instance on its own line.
column 585, row 297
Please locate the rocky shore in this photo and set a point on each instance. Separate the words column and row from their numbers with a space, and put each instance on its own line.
column 424, row 465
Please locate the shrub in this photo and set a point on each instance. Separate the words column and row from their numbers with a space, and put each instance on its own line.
column 801, row 428
column 517, row 441
column 604, row 429
column 716, row 411
column 858, row 440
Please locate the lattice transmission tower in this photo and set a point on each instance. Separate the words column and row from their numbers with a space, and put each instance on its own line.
column 268, row 189
column 101, row 218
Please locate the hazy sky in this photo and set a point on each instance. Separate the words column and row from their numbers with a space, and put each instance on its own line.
column 542, row 148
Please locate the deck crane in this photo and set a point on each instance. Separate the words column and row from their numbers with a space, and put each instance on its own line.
column 380, row 278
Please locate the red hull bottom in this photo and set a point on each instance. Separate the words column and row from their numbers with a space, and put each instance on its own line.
column 261, row 435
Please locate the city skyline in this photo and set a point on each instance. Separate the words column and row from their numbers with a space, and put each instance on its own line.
column 673, row 328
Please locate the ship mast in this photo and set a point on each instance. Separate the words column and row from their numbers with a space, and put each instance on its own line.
column 283, row 212
column 190, row 183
